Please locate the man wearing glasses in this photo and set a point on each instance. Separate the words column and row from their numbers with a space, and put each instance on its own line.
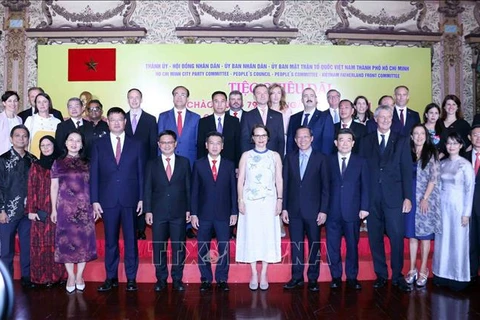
column 95, row 115
column 333, row 98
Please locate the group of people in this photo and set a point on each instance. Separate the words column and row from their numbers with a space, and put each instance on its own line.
column 257, row 170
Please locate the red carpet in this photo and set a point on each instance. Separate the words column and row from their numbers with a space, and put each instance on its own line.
column 239, row 272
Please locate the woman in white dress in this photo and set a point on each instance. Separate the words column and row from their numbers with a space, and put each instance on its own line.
column 451, row 263
column 8, row 119
column 42, row 123
column 260, row 203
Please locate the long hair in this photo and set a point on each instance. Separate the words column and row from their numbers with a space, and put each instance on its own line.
column 82, row 153
column 283, row 101
column 428, row 149
column 438, row 125
column 368, row 113
column 454, row 98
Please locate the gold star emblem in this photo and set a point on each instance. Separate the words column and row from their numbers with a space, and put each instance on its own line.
column 91, row 65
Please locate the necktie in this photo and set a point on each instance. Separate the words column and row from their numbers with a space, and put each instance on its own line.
column 219, row 126
column 344, row 165
column 168, row 170
column 134, row 123
column 382, row 144
column 344, row 125
column 78, row 124
column 303, row 164
column 235, row 114
column 402, row 119
column 264, row 116
column 214, row 170
column 179, row 123
column 336, row 119
column 477, row 163
column 118, row 150
column 305, row 120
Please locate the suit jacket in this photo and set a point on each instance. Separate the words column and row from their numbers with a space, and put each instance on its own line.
column 28, row 112
column 476, row 193
column 66, row 127
column 274, row 124
column 359, row 130
column 214, row 200
column 231, row 137
column 390, row 173
column 167, row 200
column 308, row 196
column 412, row 118
column 187, row 142
column 239, row 116
column 146, row 133
column 112, row 183
column 350, row 194
column 322, row 127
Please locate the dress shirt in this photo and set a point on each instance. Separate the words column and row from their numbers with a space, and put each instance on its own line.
column 138, row 112
column 239, row 113
column 386, row 134
column 113, row 140
column 216, row 164
column 332, row 113
column 397, row 108
column 222, row 120
column 340, row 156
column 184, row 113
column 307, row 152
column 75, row 121
column 474, row 157
column 172, row 162
column 347, row 123
column 310, row 113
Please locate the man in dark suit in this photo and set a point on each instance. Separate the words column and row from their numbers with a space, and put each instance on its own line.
column 320, row 122
column 346, row 111
column 403, row 118
column 142, row 126
column 32, row 94
column 305, row 203
column 384, row 100
column 333, row 99
column 474, row 157
column 349, row 204
column 116, row 191
column 95, row 115
column 214, row 208
column 75, row 122
column 272, row 119
column 225, row 124
column 167, row 208
column 235, row 102
column 390, row 170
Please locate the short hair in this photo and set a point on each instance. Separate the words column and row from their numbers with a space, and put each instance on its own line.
column 334, row 90
column 380, row 108
column 400, row 87
column 219, row 92
column 345, row 131
column 304, row 127
column 35, row 88
column 235, row 92
column 454, row 98
column 183, row 87
column 167, row 133
column 349, row 102
column 135, row 89
column 213, row 134
column 8, row 94
column 95, row 101
column 75, row 99
column 257, row 126
column 456, row 137
column 383, row 97
column 116, row 110
column 303, row 91
column 475, row 126
column 82, row 153
column 259, row 85
column 19, row 127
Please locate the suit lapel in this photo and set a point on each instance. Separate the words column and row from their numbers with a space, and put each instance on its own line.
column 171, row 121
column 392, row 139
column 109, row 149
column 315, row 117
column 296, row 165
column 258, row 117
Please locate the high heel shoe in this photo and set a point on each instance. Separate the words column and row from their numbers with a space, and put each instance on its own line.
column 80, row 287
column 253, row 285
column 412, row 276
column 70, row 289
column 422, row 279
column 263, row 283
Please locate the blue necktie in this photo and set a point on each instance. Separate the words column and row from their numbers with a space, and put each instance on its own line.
column 336, row 119
column 303, row 164
column 305, row 120
column 219, row 126
column 382, row 144
column 344, row 166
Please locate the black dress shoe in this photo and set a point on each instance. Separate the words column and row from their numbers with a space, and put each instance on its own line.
column 190, row 234
column 160, row 285
column 141, row 235
column 293, row 283
column 114, row 282
column 354, row 284
column 205, row 286
column 380, row 283
column 336, row 283
column 402, row 285
column 106, row 286
column 178, row 285
column 26, row 283
column 131, row 285
column 313, row 285
column 223, row 286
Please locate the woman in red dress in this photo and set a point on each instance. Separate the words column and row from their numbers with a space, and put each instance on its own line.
column 44, row 270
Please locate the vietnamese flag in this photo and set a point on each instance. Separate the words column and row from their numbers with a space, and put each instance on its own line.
column 91, row 64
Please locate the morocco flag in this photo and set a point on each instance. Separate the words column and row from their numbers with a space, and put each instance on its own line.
column 91, row 64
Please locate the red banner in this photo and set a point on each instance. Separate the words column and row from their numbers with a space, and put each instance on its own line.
column 91, row 64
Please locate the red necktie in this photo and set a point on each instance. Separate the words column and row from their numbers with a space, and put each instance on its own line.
column 179, row 123
column 118, row 150
column 235, row 114
column 168, row 170
column 402, row 119
column 214, row 170
column 477, row 163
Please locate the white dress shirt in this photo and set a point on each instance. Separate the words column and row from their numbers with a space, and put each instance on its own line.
column 113, row 140
column 172, row 161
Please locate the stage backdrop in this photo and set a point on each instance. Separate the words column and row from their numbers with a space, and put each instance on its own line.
column 108, row 72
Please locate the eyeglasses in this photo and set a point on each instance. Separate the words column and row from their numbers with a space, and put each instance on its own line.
column 164, row 143
column 183, row 95
column 94, row 109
